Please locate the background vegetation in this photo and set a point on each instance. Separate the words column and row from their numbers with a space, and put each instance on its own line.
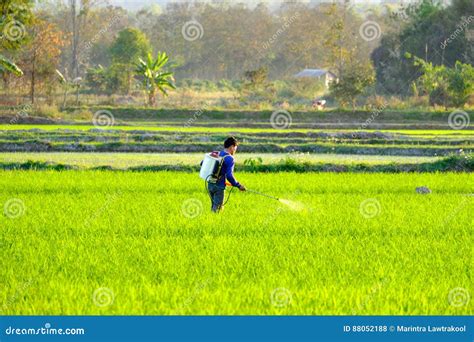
column 232, row 56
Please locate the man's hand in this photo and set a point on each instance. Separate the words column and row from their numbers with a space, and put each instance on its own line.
column 242, row 187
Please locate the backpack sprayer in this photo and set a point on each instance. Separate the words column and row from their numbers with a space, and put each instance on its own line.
column 211, row 167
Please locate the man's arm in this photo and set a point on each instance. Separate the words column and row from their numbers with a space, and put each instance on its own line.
column 230, row 171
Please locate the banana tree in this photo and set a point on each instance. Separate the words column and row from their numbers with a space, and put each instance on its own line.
column 65, row 84
column 68, row 84
column 8, row 66
column 154, row 78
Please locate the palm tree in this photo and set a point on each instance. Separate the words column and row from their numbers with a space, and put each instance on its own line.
column 154, row 78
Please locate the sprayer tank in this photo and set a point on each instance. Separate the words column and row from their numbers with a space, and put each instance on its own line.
column 209, row 166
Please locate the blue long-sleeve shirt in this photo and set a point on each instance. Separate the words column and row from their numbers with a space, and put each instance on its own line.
column 227, row 170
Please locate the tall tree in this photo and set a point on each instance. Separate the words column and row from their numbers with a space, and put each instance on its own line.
column 79, row 13
column 130, row 45
column 41, row 54
column 353, row 82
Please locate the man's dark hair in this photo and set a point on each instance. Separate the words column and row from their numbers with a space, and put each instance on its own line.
column 230, row 141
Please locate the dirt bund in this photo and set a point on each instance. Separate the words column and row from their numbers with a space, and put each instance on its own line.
column 46, row 146
column 453, row 163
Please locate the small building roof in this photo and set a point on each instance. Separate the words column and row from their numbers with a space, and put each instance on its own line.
column 313, row 73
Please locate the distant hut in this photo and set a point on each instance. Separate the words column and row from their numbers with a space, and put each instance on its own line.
column 320, row 74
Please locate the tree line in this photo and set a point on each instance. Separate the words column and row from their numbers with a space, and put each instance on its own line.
column 89, row 42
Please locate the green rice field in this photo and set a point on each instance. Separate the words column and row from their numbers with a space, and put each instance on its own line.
column 106, row 243
column 200, row 129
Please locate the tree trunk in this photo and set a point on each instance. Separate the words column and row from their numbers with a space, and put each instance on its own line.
column 77, row 96
column 129, row 83
column 75, row 40
column 65, row 98
column 151, row 98
column 6, row 85
column 33, row 71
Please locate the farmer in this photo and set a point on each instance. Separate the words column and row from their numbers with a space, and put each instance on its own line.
column 216, row 190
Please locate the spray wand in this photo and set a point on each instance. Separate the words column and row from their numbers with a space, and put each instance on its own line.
column 257, row 192
column 295, row 206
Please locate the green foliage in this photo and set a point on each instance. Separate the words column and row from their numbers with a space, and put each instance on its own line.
column 256, row 90
column 8, row 66
column 153, row 75
column 14, row 16
column 305, row 88
column 187, row 162
column 463, row 162
column 352, row 83
column 461, row 84
column 118, row 78
column 130, row 44
column 253, row 162
column 425, row 29
column 61, row 78
column 446, row 86
column 258, row 77
column 225, row 85
column 114, row 79
column 97, row 79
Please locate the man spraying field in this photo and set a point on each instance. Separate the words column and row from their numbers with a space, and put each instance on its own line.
column 217, row 167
